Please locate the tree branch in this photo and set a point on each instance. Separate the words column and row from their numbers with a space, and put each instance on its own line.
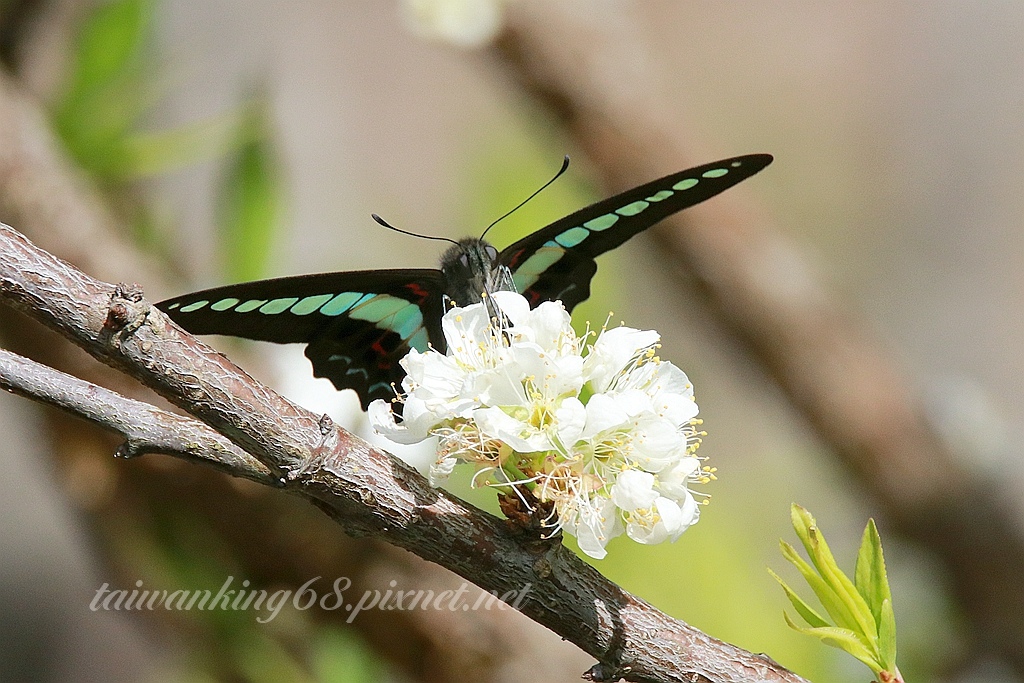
column 146, row 429
column 363, row 489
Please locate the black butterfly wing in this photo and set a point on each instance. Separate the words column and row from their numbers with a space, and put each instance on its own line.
column 356, row 325
column 557, row 262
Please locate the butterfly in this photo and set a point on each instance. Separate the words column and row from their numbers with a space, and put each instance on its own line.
column 357, row 325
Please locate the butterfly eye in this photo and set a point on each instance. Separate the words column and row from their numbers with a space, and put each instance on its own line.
column 492, row 253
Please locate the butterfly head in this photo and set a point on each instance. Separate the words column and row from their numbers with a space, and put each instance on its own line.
column 470, row 268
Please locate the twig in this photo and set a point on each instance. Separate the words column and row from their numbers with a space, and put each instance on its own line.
column 145, row 428
column 363, row 489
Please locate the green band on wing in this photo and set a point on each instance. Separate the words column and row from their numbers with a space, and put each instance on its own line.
column 310, row 304
column 664, row 194
column 530, row 271
column 685, row 184
column 275, row 306
column 714, row 173
column 194, row 306
column 633, row 208
column 379, row 307
column 250, row 305
column 419, row 341
column 601, row 222
column 225, row 304
column 407, row 321
column 572, row 237
column 341, row 303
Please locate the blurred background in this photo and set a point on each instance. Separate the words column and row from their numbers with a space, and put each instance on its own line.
column 205, row 143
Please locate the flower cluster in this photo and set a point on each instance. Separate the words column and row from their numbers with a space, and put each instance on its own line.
column 605, row 433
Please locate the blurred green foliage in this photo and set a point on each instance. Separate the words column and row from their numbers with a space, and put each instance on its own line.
column 110, row 89
column 249, row 206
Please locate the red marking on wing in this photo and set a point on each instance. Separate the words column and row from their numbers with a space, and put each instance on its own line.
column 418, row 291
column 514, row 261
column 383, row 355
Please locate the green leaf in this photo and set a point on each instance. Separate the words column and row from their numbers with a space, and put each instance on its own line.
column 869, row 575
column 859, row 617
column 829, row 599
column 803, row 609
column 109, row 42
column 106, row 92
column 841, row 638
column 147, row 154
column 250, row 204
column 887, row 637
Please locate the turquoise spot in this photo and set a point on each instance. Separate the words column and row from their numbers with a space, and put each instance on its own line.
column 172, row 307
column 664, row 194
column 552, row 243
column 341, row 303
column 541, row 260
column 714, row 173
column 601, row 222
column 419, row 341
column 523, row 280
column 685, row 184
column 407, row 321
column 250, row 305
column 382, row 385
column 736, row 164
column 310, row 304
column 632, row 209
column 195, row 306
column 378, row 308
column 225, row 304
column 572, row 237
column 530, row 271
column 275, row 306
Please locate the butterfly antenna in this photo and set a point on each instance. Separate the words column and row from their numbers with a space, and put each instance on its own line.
column 387, row 225
column 565, row 166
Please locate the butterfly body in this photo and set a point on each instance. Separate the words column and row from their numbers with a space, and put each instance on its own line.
column 357, row 325
column 470, row 267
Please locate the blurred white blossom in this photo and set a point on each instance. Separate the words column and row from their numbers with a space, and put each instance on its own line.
column 464, row 23
column 606, row 433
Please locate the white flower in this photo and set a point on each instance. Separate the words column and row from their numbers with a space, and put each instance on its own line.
column 606, row 433
column 464, row 23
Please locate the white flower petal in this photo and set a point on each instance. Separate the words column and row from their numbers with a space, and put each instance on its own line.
column 613, row 351
column 521, row 436
column 603, row 413
column 513, row 306
column 383, row 420
column 673, row 480
column 634, row 489
column 551, row 325
column 441, row 470
column 570, row 418
column 595, row 526
column 657, row 523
